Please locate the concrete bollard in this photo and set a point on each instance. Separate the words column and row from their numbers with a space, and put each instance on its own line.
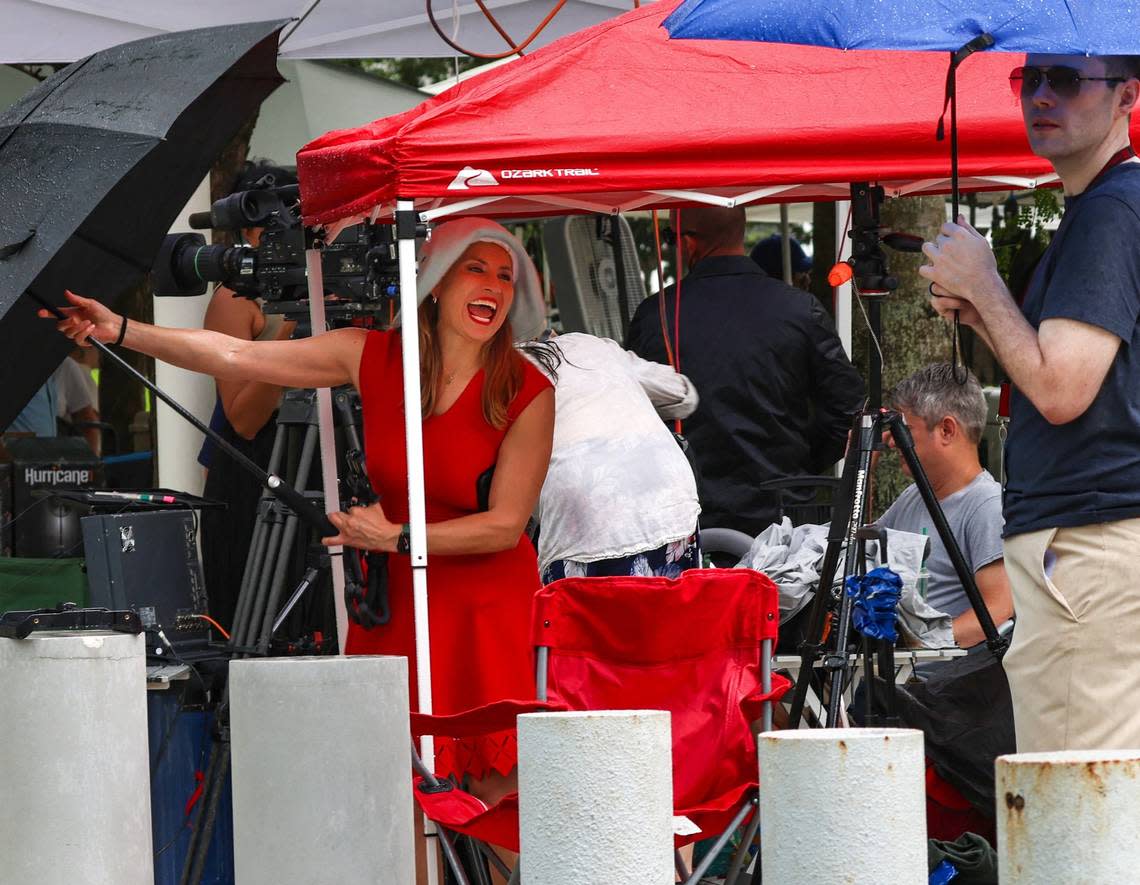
column 842, row 805
column 321, row 771
column 1071, row 816
column 596, row 798
column 74, row 760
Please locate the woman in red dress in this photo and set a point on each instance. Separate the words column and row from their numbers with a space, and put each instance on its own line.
column 484, row 406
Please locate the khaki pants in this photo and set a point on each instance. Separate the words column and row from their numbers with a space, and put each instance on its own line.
column 1074, row 666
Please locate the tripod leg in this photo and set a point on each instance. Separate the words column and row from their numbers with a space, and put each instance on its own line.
column 197, row 831
column 210, row 815
column 821, row 604
column 890, row 716
column 256, row 556
column 870, row 717
column 265, row 576
column 838, row 662
column 905, row 442
column 287, row 539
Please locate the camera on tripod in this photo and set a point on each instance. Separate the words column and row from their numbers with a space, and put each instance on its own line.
column 868, row 263
column 360, row 268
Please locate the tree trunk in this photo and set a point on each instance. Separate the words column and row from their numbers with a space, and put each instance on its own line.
column 824, row 250
column 913, row 335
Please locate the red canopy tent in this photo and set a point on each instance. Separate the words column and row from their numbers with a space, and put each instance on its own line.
column 619, row 117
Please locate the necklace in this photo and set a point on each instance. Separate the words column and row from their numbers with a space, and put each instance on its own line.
column 448, row 379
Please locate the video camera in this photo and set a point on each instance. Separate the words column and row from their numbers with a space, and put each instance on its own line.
column 360, row 267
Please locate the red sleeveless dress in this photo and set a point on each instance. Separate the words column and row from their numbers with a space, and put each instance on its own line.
column 478, row 605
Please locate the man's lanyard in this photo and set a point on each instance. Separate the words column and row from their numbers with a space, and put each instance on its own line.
column 1122, row 155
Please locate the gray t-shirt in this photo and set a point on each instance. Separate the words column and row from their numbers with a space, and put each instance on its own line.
column 974, row 515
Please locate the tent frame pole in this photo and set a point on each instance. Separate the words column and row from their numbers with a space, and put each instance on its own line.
column 407, row 225
column 329, row 478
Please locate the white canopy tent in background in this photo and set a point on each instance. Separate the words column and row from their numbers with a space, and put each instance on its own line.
column 37, row 31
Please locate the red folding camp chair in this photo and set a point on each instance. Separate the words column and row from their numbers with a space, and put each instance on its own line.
column 699, row 646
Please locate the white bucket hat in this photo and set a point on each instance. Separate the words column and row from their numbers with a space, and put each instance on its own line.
column 449, row 241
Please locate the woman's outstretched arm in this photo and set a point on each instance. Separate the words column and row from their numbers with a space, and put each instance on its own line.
column 327, row 360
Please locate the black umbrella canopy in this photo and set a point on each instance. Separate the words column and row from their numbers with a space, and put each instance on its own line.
column 95, row 165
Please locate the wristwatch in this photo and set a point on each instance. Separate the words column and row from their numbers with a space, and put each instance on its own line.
column 404, row 539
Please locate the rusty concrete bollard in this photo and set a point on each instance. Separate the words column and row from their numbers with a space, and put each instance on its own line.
column 1071, row 816
column 857, row 795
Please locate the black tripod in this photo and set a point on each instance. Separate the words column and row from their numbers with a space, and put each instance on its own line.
column 832, row 607
column 260, row 612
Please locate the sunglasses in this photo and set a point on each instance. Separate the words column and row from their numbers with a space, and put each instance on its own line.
column 669, row 234
column 1065, row 82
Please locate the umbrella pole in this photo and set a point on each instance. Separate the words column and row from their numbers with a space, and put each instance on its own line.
column 406, row 224
column 982, row 41
column 952, row 96
column 952, row 99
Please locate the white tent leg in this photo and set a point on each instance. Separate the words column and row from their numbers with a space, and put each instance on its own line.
column 843, row 303
column 785, row 244
column 843, row 294
column 417, row 517
column 328, row 442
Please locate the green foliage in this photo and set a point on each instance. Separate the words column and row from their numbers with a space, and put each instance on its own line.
column 38, row 72
column 414, row 72
column 643, row 238
column 1020, row 237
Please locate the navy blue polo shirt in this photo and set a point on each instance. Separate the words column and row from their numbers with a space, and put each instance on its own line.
column 1088, row 470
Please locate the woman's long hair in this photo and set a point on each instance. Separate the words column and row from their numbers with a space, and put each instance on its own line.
column 547, row 355
column 502, row 367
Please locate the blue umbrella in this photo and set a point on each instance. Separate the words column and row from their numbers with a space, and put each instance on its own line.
column 1068, row 27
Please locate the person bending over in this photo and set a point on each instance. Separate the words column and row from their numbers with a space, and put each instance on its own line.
column 620, row 497
column 946, row 420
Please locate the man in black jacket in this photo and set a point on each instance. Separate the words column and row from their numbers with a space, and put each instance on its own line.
column 777, row 390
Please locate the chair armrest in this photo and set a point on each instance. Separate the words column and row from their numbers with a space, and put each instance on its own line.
column 497, row 716
column 753, row 705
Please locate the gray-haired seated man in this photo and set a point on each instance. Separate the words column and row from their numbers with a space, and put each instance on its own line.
column 946, row 419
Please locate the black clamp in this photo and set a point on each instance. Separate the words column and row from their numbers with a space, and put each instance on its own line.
column 408, row 225
column 441, row 785
column 70, row 617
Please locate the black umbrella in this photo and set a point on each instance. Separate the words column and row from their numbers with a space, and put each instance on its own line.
column 95, row 165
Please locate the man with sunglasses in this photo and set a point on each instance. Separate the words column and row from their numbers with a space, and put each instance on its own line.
column 1072, row 351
